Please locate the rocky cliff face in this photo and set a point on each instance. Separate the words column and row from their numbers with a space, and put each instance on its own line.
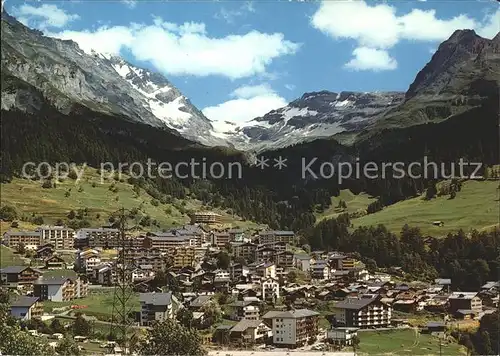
column 463, row 74
column 462, row 59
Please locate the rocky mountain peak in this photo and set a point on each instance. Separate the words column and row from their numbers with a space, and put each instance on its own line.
column 462, row 48
column 496, row 39
column 463, row 35
column 315, row 94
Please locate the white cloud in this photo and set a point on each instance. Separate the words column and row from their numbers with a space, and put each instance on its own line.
column 421, row 25
column 104, row 40
column 131, row 4
column 250, row 91
column 230, row 16
column 187, row 49
column 371, row 59
column 290, row 86
column 380, row 27
column 369, row 25
column 249, row 102
column 43, row 17
column 491, row 25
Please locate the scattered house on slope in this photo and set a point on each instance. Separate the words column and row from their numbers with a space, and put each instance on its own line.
column 200, row 301
column 157, row 307
column 26, row 308
column 465, row 301
column 55, row 262
column 341, row 336
column 14, row 276
column 249, row 332
column 60, row 289
column 241, row 309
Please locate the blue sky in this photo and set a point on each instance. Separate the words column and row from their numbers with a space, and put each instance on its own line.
column 236, row 59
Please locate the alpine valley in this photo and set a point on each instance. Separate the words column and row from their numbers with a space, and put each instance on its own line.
column 60, row 103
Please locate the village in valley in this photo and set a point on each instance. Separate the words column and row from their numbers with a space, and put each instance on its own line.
column 242, row 289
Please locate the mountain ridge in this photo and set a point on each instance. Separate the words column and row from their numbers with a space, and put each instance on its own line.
column 455, row 80
column 66, row 75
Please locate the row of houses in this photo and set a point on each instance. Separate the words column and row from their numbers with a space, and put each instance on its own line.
column 63, row 238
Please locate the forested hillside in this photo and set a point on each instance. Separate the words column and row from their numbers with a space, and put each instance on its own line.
column 279, row 198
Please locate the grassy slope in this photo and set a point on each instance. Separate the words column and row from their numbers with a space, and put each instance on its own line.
column 98, row 304
column 354, row 203
column 9, row 258
column 404, row 342
column 475, row 207
column 29, row 197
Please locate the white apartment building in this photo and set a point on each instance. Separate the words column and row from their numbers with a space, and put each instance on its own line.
column 364, row 312
column 221, row 273
column 293, row 328
column 320, row 270
column 266, row 270
column 29, row 239
column 87, row 260
column 61, row 237
column 251, row 312
column 91, row 263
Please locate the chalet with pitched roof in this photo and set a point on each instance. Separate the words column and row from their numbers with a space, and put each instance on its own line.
column 157, row 307
column 26, row 308
column 14, row 276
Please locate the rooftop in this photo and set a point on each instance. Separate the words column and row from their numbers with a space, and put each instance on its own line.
column 245, row 324
column 200, row 301
column 155, row 298
column 206, row 213
column 56, row 227
column 99, row 229
column 277, row 233
column 290, row 314
column 24, row 302
column 491, row 284
column 53, row 280
column 17, row 269
column 354, row 303
column 170, row 237
column 462, row 295
column 465, row 311
column 23, row 233
column 442, row 281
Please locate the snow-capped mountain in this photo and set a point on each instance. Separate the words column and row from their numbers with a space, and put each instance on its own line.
column 68, row 76
column 314, row 115
column 166, row 102
column 462, row 72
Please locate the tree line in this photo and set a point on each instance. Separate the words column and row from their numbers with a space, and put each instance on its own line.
column 468, row 259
